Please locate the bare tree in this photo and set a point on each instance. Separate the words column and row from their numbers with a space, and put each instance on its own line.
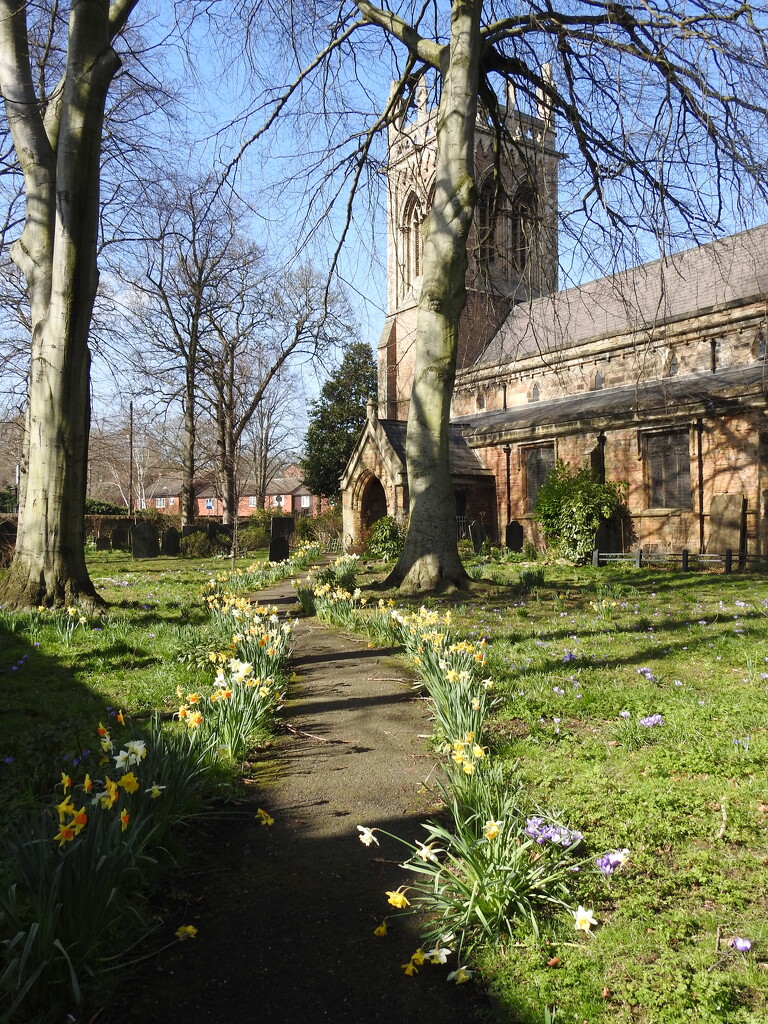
column 660, row 109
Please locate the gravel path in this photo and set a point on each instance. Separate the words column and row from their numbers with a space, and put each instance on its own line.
column 286, row 913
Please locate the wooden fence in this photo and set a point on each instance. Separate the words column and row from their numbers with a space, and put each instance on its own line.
column 685, row 561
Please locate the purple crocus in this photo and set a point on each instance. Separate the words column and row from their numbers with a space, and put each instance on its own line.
column 650, row 720
column 742, row 945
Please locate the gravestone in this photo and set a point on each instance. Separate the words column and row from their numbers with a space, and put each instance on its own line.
column 726, row 523
column 278, row 549
column 170, row 541
column 513, row 537
column 144, row 541
column 282, row 526
column 103, row 543
column 121, row 537
column 477, row 534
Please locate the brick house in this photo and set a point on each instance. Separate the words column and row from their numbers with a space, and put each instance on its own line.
column 287, row 492
column 655, row 376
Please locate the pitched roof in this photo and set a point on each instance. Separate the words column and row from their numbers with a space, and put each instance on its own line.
column 463, row 461
column 729, row 270
column 647, row 402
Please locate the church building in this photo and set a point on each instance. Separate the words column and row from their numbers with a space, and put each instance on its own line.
column 655, row 376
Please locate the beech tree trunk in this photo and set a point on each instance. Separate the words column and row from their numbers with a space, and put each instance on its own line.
column 430, row 558
column 59, row 153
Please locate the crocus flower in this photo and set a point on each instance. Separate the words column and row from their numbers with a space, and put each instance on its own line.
column 742, row 945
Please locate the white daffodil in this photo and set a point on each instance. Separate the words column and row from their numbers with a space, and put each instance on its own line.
column 439, row 955
column 366, row 836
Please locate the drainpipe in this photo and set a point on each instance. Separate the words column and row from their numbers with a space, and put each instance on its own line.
column 700, row 464
column 507, row 453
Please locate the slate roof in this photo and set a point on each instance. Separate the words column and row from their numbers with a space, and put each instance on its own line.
column 732, row 269
column 671, row 397
column 463, row 461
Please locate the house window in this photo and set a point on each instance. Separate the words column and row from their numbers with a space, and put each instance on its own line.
column 252, row 501
column 411, row 256
column 535, row 393
column 668, row 469
column 171, row 502
column 306, row 501
column 159, row 502
column 279, row 498
column 209, row 503
column 538, row 463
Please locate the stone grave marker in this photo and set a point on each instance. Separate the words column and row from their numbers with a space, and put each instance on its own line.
column 170, row 541
column 282, row 526
column 513, row 536
column 278, row 549
column 144, row 541
column 121, row 537
column 103, row 543
column 726, row 523
column 477, row 534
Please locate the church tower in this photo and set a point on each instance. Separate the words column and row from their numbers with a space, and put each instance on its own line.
column 512, row 244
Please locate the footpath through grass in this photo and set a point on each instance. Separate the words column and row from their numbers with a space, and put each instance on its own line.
column 632, row 708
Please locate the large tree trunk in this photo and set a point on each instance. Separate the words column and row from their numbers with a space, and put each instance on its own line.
column 430, row 558
column 59, row 156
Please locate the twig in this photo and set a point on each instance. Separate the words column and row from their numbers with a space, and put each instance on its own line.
column 724, row 815
column 311, row 736
column 717, row 938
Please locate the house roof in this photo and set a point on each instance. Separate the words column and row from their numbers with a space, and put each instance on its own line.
column 692, row 282
column 668, row 400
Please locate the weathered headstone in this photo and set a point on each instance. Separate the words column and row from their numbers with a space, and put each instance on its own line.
column 103, row 543
column 513, row 536
column 121, row 537
column 726, row 523
column 282, row 526
column 477, row 534
column 278, row 549
column 144, row 541
column 170, row 541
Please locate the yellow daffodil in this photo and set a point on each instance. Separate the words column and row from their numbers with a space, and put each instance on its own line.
column 64, row 808
column 65, row 834
column 129, row 782
column 102, row 732
column 187, row 931
column 418, row 957
column 492, row 828
column 469, row 768
column 119, row 717
column 381, row 930
column 87, row 783
column 409, row 968
column 583, row 919
column 155, row 791
column 265, row 818
column 66, row 781
column 80, row 820
column 398, row 899
column 124, row 819
column 460, row 976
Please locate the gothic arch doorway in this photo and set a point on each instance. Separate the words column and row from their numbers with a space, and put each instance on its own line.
column 373, row 504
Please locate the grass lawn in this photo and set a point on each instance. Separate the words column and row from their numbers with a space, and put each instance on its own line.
column 634, row 706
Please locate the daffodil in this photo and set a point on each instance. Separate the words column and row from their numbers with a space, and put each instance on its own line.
column 492, row 828
column 427, row 852
column 154, row 790
column 583, row 919
column 64, row 808
column 439, row 955
column 65, row 834
column 102, row 732
column 398, row 899
column 409, row 968
column 66, row 781
column 265, row 818
column 187, row 931
column 87, row 783
column 129, row 782
column 366, row 836
column 124, row 819
column 460, row 975
column 79, row 820
column 381, row 930
column 418, row 957
column 119, row 717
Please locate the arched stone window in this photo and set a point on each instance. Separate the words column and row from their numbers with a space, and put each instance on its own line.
column 412, row 248
column 522, row 221
column 504, row 229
